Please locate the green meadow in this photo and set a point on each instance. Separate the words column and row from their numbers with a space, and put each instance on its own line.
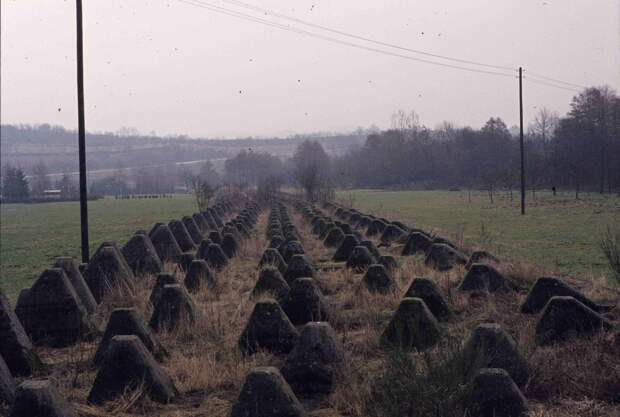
column 32, row 235
column 557, row 232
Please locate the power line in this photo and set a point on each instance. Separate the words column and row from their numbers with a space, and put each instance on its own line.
column 364, row 38
column 554, row 79
column 391, row 45
column 534, row 80
column 244, row 16
column 531, row 76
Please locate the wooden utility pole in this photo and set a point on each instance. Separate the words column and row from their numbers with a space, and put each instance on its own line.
column 521, row 140
column 82, row 135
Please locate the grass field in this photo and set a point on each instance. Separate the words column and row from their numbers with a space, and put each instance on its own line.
column 32, row 235
column 557, row 232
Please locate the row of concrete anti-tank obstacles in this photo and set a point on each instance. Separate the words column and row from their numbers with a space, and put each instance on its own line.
column 296, row 322
column 293, row 323
column 496, row 369
column 313, row 352
column 57, row 310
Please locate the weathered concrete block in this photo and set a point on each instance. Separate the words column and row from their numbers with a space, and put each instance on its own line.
column 127, row 364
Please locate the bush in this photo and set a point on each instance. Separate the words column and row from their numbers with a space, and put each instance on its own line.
column 425, row 386
column 610, row 244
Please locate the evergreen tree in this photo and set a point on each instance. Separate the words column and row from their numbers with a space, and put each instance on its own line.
column 15, row 185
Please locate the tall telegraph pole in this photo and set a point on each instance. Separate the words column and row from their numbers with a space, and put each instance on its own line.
column 82, row 134
column 521, row 140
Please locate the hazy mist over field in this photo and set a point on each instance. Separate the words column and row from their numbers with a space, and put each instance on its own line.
column 177, row 68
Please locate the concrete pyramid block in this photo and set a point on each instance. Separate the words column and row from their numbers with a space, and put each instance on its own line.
column 70, row 266
column 391, row 234
column 327, row 229
column 52, row 313
column 266, row 394
column 115, row 247
column 199, row 276
column 564, row 317
column 186, row 260
column 127, row 364
column 232, row 229
column 376, row 227
column 389, row 262
column 192, row 229
column 39, row 398
column 125, row 322
column 547, row 287
column 288, row 249
column 416, row 243
column 162, row 280
column 492, row 393
column 312, row 365
column 268, row 328
column 299, row 267
column 479, row 257
column 482, row 277
column 201, row 253
column 16, row 347
column 215, row 257
column 215, row 237
column 173, row 307
column 271, row 281
column 377, row 279
column 491, row 347
column 181, row 235
column 210, row 217
column 213, row 219
column 165, row 244
column 7, row 384
column 106, row 271
column 334, row 238
column 141, row 255
column 201, row 222
column 413, row 326
column 305, row 302
column 229, row 245
column 346, row 248
column 429, row 292
column 443, row 257
column 272, row 257
column 368, row 244
column 360, row 259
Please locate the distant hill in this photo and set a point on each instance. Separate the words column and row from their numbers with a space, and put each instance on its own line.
column 25, row 145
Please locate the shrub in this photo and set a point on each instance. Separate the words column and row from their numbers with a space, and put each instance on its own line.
column 610, row 244
column 421, row 386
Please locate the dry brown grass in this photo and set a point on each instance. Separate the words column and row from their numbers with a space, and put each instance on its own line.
column 576, row 378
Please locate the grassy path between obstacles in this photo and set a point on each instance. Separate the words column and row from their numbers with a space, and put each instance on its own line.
column 33, row 235
column 557, row 232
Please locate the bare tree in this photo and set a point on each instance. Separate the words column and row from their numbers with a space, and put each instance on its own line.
column 201, row 189
column 541, row 131
column 405, row 122
column 40, row 180
column 312, row 170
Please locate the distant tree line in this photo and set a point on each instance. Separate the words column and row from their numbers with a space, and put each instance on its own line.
column 580, row 151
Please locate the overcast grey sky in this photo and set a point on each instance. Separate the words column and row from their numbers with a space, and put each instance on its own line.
column 173, row 68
